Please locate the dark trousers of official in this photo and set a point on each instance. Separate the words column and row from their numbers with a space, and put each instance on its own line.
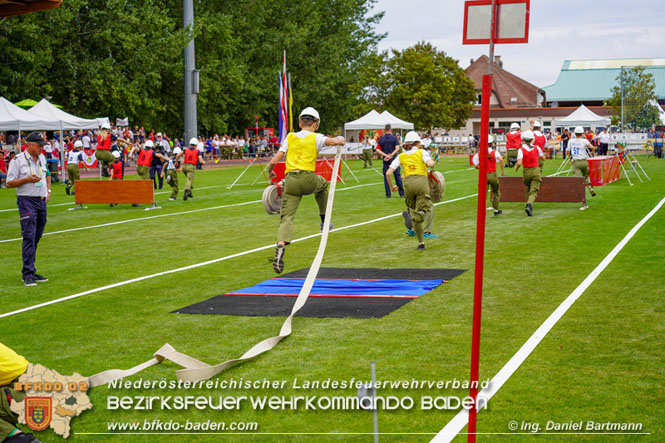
column 398, row 179
column 156, row 170
column 32, row 213
column 602, row 148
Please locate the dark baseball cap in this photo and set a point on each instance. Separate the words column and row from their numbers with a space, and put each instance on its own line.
column 35, row 137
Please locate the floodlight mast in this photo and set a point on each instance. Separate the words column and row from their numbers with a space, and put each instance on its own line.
column 480, row 230
column 191, row 74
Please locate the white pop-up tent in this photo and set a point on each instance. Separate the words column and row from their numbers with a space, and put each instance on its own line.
column 582, row 116
column 13, row 118
column 395, row 122
column 67, row 121
column 371, row 120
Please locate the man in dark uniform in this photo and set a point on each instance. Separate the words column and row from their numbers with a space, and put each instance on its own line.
column 388, row 149
column 29, row 175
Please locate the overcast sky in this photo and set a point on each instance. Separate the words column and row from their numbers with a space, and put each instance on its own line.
column 559, row 30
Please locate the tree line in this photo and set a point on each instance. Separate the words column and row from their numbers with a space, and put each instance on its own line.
column 120, row 58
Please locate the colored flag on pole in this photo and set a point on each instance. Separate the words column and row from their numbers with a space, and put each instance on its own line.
column 290, row 105
column 285, row 102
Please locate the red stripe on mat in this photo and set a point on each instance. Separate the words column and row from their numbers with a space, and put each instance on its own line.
column 323, row 295
column 349, row 279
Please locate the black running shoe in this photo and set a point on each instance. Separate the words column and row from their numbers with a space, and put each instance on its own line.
column 407, row 220
column 498, row 212
column 278, row 261
column 40, row 278
column 21, row 438
column 529, row 210
column 185, row 196
column 29, row 281
column 421, row 246
column 67, row 189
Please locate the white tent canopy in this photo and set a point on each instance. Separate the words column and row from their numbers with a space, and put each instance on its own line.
column 661, row 113
column 582, row 116
column 67, row 121
column 13, row 118
column 371, row 120
column 374, row 120
column 395, row 122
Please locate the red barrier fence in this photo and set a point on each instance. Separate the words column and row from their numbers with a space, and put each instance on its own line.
column 323, row 168
column 604, row 170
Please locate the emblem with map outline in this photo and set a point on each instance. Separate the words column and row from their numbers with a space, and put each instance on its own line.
column 55, row 409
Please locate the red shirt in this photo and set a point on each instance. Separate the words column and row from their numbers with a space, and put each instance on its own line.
column 145, row 157
column 530, row 158
column 513, row 140
column 3, row 166
column 540, row 141
column 104, row 144
column 117, row 169
column 491, row 162
column 191, row 156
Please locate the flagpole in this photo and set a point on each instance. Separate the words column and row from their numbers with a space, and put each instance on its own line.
column 290, row 104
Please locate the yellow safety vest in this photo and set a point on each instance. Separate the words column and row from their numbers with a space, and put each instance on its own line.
column 11, row 365
column 413, row 164
column 302, row 152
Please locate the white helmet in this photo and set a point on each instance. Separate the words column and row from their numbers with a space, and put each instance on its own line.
column 536, row 124
column 149, row 144
column 159, row 134
column 515, row 126
column 310, row 112
column 78, row 144
column 115, row 154
column 412, row 137
column 579, row 130
column 490, row 139
column 176, row 151
column 105, row 126
column 193, row 141
column 527, row 135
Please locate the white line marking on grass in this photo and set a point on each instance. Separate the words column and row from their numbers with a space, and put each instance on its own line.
column 205, row 263
column 57, row 204
column 137, row 219
column 456, row 425
column 162, row 215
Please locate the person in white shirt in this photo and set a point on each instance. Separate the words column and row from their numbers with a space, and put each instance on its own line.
column 86, row 141
column 73, row 172
column 603, row 142
column 579, row 150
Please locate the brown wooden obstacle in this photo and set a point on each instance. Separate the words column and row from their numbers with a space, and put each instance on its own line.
column 114, row 191
column 552, row 189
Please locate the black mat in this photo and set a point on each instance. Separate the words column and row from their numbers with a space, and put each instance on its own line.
column 379, row 274
column 272, row 306
column 322, row 307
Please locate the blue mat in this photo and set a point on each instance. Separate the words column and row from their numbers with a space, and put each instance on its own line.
column 343, row 288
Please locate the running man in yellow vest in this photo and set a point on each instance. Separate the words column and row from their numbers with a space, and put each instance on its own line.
column 301, row 150
column 415, row 162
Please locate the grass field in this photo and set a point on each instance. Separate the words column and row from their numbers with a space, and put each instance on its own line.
column 602, row 362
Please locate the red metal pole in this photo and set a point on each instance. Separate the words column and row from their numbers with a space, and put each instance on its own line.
column 480, row 250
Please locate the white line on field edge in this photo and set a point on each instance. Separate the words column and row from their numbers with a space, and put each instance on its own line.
column 455, row 426
column 161, row 215
column 209, row 262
